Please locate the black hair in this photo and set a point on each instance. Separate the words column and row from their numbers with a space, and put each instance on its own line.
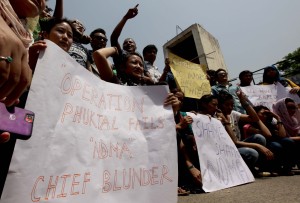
column 260, row 107
column 48, row 9
column 212, row 78
column 127, row 55
column 244, row 72
column 224, row 96
column 288, row 100
column 125, row 58
column 48, row 24
column 219, row 70
column 97, row 31
column 269, row 116
column 148, row 48
column 205, row 99
column 211, row 72
column 266, row 78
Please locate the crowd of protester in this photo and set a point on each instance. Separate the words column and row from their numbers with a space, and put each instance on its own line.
column 267, row 139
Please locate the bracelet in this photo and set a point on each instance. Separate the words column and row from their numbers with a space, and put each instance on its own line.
column 190, row 167
column 279, row 122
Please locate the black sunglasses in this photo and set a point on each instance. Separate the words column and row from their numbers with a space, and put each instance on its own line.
column 100, row 38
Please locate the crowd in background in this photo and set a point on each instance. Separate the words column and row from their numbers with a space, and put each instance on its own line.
column 267, row 139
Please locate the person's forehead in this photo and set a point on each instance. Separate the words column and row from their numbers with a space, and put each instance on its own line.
column 77, row 22
column 214, row 100
column 229, row 101
column 221, row 72
column 135, row 57
column 262, row 111
column 271, row 69
column 247, row 75
column 129, row 40
column 64, row 24
column 99, row 34
column 290, row 103
column 151, row 50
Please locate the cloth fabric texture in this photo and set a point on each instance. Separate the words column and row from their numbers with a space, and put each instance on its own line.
column 291, row 123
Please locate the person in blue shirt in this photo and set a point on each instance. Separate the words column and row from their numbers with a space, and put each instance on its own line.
column 221, row 77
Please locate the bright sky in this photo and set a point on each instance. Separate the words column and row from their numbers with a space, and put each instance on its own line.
column 252, row 34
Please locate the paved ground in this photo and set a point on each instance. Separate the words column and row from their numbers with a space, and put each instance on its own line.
column 283, row 189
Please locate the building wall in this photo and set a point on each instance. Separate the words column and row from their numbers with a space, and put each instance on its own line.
column 197, row 45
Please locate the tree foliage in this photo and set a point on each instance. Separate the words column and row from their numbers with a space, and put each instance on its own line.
column 291, row 63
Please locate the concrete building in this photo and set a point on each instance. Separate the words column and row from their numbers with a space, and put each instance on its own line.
column 197, row 45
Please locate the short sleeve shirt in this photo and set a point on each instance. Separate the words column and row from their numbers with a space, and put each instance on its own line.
column 153, row 71
column 80, row 54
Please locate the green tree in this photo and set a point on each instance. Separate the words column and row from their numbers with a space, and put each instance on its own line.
column 291, row 63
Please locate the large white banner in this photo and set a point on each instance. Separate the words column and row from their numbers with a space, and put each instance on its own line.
column 93, row 141
column 221, row 163
column 267, row 95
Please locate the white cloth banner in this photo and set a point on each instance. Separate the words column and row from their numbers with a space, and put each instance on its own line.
column 221, row 163
column 93, row 141
column 267, row 95
column 283, row 92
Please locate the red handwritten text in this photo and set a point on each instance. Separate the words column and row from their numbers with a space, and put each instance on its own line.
column 59, row 186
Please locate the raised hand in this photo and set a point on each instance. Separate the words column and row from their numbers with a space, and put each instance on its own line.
column 132, row 12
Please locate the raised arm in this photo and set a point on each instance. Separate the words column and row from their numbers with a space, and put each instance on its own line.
column 167, row 69
column 262, row 129
column 251, row 115
column 103, row 66
column 59, row 9
column 131, row 13
column 227, row 126
column 279, row 125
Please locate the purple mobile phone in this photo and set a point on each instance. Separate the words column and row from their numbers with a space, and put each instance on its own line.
column 17, row 121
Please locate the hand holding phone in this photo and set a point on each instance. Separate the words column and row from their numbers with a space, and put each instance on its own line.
column 16, row 121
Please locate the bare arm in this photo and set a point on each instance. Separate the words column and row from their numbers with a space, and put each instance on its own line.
column 280, row 127
column 167, row 68
column 34, row 51
column 114, row 38
column 251, row 115
column 172, row 100
column 264, row 130
column 184, row 122
column 59, row 9
column 227, row 126
column 100, row 58
column 269, row 155
column 194, row 171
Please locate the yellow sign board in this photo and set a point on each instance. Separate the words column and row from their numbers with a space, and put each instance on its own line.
column 190, row 77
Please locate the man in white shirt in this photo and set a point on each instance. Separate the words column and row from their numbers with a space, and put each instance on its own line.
column 149, row 54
